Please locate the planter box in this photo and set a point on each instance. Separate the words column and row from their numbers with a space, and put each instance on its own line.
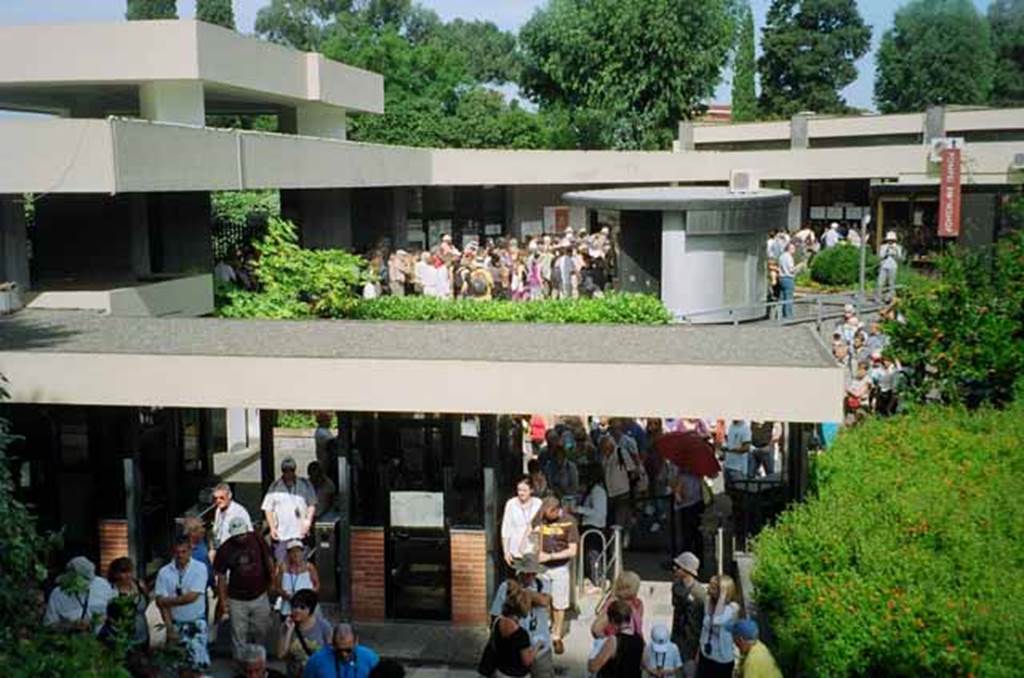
column 10, row 298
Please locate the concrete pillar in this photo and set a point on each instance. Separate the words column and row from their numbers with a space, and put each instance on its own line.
column 238, row 429
column 179, row 101
column 138, row 225
column 323, row 216
column 252, row 424
column 795, row 219
column 685, row 142
column 934, row 123
column 799, row 136
column 320, row 120
column 13, row 242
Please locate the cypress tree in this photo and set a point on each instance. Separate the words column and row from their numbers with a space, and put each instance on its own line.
column 217, row 12
column 142, row 10
column 744, row 96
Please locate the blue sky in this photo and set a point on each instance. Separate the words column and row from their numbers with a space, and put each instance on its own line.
column 509, row 14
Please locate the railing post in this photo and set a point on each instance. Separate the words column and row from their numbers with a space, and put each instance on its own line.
column 617, row 570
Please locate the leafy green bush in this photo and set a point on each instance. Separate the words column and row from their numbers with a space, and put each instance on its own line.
column 840, row 265
column 638, row 309
column 296, row 282
column 239, row 217
column 910, row 561
column 964, row 334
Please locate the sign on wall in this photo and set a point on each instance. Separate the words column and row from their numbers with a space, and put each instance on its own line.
column 949, row 190
column 417, row 509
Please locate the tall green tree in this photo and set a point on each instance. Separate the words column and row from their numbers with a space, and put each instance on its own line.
column 642, row 65
column 937, row 52
column 143, row 10
column 809, row 51
column 302, row 24
column 219, row 12
column 744, row 94
column 1006, row 21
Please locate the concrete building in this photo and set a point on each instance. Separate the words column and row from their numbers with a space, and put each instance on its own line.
column 120, row 387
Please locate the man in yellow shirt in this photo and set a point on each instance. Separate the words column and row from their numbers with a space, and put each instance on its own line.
column 757, row 661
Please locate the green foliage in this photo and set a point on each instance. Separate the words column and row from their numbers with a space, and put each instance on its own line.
column 640, row 66
column 937, row 52
column 239, row 216
column 302, row 24
column 489, row 51
column 1006, row 21
column 144, row 10
column 217, row 12
column 24, row 552
column 295, row 282
column 909, row 560
column 840, row 266
column 744, row 94
column 810, row 48
column 638, row 309
column 300, row 419
column 60, row 656
column 965, row 334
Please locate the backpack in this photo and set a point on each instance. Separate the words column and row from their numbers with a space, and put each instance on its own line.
column 478, row 286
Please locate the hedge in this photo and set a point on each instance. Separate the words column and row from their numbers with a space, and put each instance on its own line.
column 840, row 265
column 909, row 561
column 639, row 309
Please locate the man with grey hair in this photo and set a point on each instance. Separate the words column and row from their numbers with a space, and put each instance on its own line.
column 289, row 508
column 343, row 658
column 227, row 510
column 252, row 661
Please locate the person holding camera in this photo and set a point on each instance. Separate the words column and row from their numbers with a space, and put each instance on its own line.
column 717, row 652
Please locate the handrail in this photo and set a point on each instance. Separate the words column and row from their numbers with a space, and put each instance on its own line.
column 614, row 560
column 581, row 557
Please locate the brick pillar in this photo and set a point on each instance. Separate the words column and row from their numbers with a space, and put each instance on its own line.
column 469, row 576
column 113, row 543
column 368, row 574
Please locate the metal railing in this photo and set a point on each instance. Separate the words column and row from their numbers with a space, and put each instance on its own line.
column 772, row 310
column 606, row 561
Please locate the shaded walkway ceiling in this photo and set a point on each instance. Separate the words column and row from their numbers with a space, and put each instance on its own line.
column 742, row 372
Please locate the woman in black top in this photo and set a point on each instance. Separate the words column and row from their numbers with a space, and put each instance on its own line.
column 622, row 654
column 513, row 652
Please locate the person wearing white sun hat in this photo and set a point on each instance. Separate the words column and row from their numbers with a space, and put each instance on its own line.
column 890, row 254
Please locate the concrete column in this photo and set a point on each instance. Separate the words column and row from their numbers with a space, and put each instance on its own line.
column 323, row 216
column 685, row 142
column 268, row 469
column 252, row 423
column 934, row 123
column 179, row 101
column 139, row 228
column 319, row 120
column 238, row 433
column 674, row 283
column 798, row 133
column 13, row 242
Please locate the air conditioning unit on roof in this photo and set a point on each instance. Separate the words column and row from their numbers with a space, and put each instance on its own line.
column 743, row 181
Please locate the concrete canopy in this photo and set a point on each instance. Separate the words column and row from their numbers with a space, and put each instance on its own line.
column 81, row 358
column 676, row 198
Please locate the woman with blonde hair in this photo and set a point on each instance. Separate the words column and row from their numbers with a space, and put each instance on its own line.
column 626, row 590
column 721, row 608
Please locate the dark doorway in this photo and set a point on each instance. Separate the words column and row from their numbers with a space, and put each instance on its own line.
column 640, row 252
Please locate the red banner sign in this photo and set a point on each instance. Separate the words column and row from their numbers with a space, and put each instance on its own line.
column 949, row 194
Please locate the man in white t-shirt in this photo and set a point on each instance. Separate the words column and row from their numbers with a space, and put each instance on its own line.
column 289, row 508
column 181, row 598
column 227, row 509
column 738, row 439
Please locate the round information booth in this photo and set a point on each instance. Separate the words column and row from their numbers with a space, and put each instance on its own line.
column 702, row 248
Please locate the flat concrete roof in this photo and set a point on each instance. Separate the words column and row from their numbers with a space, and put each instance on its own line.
column 49, row 67
column 676, row 198
column 87, row 358
column 116, row 156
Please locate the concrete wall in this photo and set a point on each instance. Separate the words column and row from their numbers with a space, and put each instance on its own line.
column 527, row 203
column 190, row 296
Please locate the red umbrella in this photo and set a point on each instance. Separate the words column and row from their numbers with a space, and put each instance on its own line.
column 690, row 452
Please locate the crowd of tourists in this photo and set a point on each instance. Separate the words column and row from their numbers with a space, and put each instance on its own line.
column 581, row 481
column 565, row 266
column 872, row 376
column 265, row 587
column 789, row 254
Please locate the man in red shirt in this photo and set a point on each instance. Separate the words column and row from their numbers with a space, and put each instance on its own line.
column 244, row 570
